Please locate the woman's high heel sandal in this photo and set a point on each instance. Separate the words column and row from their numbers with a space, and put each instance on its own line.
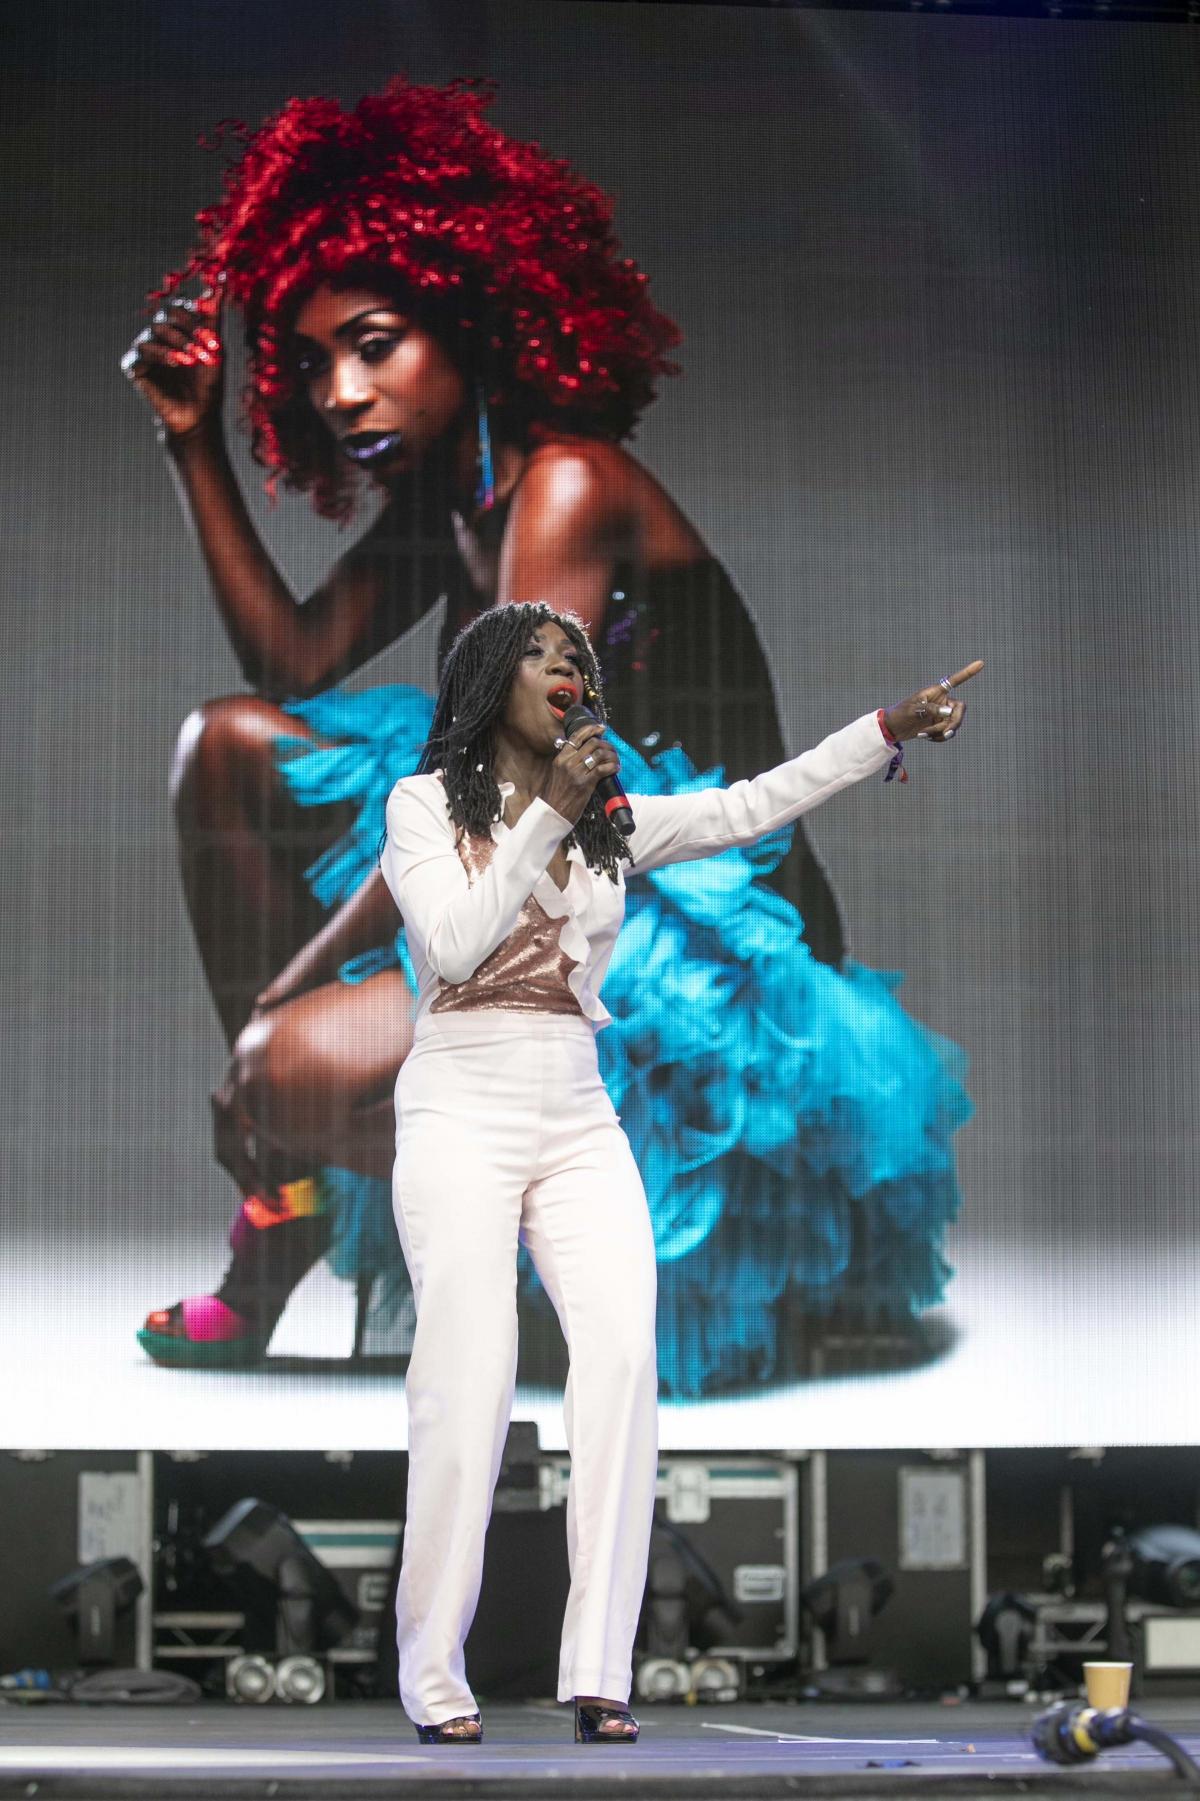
column 275, row 1241
column 590, row 1721
column 450, row 1731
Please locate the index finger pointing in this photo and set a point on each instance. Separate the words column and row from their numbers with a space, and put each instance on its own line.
column 964, row 675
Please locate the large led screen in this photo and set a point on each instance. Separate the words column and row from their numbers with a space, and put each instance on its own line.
column 900, row 373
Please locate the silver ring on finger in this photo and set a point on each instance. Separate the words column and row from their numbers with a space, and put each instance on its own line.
column 945, row 683
column 945, row 712
column 589, row 762
column 560, row 744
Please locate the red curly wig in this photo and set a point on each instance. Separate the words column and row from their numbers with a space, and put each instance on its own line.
column 498, row 248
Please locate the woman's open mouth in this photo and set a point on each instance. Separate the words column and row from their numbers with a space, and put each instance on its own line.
column 365, row 447
column 560, row 699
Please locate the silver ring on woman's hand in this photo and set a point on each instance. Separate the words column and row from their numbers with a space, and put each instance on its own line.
column 589, row 762
column 945, row 683
column 945, row 712
column 560, row 744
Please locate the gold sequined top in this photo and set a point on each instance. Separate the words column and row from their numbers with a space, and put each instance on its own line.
column 527, row 973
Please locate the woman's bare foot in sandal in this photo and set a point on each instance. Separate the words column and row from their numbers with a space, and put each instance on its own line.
column 600, row 1721
column 465, row 1729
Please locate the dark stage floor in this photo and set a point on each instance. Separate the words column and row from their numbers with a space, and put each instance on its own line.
column 367, row 1750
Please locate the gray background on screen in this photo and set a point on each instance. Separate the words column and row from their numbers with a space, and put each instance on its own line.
column 938, row 283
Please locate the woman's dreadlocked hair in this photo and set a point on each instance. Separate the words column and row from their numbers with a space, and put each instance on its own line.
column 476, row 680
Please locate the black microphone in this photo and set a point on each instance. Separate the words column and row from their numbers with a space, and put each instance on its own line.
column 613, row 797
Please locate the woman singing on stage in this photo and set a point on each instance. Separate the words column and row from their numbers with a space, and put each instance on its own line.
column 510, row 877
column 440, row 317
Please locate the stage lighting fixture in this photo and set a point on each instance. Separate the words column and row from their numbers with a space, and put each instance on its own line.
column 1058, row 1574
column 843, row 1602
column 1004, row 1629
column 662, row 1679
column 300, row 1679
column 1166, row 1565
column 310, row 1609
column 249, row 1679
column 665, row 1620
column 686, row 1609
column 715, row 1679
column 686, row 1605
column 92, row 1597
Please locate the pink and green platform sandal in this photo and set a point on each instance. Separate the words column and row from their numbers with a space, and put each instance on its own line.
column 275, row 1241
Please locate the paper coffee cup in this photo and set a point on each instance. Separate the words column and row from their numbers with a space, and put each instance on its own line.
column 1107, row 1684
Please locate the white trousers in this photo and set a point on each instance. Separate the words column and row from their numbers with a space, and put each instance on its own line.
column 505, row 1134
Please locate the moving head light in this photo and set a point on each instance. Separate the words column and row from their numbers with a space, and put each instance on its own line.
column 1166, row 1566
column 311, row 1611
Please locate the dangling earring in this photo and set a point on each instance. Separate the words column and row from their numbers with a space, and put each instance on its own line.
column 485, row 481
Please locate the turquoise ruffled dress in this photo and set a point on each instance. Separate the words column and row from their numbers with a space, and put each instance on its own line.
column 792, row 1123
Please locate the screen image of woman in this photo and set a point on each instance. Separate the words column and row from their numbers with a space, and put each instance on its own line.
column 440, row 317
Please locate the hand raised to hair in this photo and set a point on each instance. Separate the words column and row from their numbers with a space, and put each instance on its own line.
column 932, row 712
column 177, row 365
column 584, row 759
